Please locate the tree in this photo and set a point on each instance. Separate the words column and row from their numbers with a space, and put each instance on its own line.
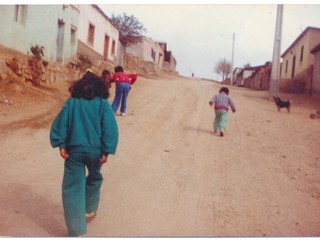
column 223, row 67
column 129, row 27
column 37, row 65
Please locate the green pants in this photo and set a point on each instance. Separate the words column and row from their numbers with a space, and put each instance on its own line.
column 220, row 120
column 80, row 194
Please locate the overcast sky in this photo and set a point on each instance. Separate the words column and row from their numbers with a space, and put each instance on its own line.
column 199, row 35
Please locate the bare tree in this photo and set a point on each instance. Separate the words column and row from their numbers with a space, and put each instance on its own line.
column 129, row 27
column 223, row 67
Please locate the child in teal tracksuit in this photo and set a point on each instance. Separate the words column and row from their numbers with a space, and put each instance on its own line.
column 221, row 103
column 86, row 132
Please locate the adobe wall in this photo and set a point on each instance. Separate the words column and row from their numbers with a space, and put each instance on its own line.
column 292, row 86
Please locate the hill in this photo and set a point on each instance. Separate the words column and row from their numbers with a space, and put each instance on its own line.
column 171, row 176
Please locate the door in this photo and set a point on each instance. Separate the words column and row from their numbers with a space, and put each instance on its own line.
column 293, row 66
column 60, row 40
column 106, row 47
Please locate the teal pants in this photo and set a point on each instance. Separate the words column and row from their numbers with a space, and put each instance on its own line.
column 220, row 120
column 80, row 194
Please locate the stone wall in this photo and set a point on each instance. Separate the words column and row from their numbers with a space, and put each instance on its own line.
column 143, row 68
column 18, row 64
column 292, row 86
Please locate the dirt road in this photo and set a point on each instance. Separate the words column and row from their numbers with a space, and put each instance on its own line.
column 171, row 176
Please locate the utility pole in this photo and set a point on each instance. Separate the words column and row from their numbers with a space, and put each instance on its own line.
column 275, row 69
column 231, row 76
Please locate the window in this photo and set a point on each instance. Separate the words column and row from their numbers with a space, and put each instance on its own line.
column 91, row 34
column 301, row 54
column 153, row 54
column 286, row 66
column 106, row 47
column 20, row 14
column 73, row 39
column 60, row 40
column 73, row 36
column 113, row 47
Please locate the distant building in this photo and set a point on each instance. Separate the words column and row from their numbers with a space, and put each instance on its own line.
column 152, row 54
column 170, row 63
column 148, row 50
column 55, row 27
column 261, row 77
column 244, row 74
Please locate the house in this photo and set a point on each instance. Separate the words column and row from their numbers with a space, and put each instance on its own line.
column 244, row 74
column 67, row 31
column 170, row 63
column 152, row 54
column 55, row 27
column 148, row 50
column 297, row 61
column 97, row 37
column 316, row 70
column 261, row 77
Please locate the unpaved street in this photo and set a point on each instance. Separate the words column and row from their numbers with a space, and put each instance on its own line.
column 171, row 175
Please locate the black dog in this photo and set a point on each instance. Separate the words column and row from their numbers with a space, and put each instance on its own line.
column 282, row 104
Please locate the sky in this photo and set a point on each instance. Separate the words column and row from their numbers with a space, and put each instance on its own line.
column 199, row 35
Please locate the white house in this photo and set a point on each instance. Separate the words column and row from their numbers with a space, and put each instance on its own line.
column 97, row 37
column 55, row 27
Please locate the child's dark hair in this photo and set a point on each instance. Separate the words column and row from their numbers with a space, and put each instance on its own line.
column 105, row 72
column 118, row 69
column 89, row 87
column 225, row 90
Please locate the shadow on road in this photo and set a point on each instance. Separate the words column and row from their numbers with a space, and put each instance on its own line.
column 20, row 199
column 190, row 128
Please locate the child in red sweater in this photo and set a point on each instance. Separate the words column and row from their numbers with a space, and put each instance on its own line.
column 123, row 83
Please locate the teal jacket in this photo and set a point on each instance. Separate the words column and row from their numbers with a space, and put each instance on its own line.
column 85, row 126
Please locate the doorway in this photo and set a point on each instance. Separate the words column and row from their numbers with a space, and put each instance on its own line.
column 60, row 42
column 106, row 47
column 293, row 66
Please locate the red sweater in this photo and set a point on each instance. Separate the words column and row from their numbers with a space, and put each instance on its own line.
column 119, row 77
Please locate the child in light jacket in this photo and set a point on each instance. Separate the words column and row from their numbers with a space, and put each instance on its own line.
column 221, row 103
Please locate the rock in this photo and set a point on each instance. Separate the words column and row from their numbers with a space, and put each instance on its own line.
column 8, row 102
column 3, row 69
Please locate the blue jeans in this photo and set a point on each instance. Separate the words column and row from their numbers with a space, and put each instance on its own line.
column 122, row 91
column 80, row 194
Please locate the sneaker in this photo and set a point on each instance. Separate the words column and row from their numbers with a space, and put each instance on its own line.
column 122, row 114
column 90, row 216
column 221, row 133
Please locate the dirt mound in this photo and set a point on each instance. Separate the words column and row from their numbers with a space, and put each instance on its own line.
column 23, row 105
